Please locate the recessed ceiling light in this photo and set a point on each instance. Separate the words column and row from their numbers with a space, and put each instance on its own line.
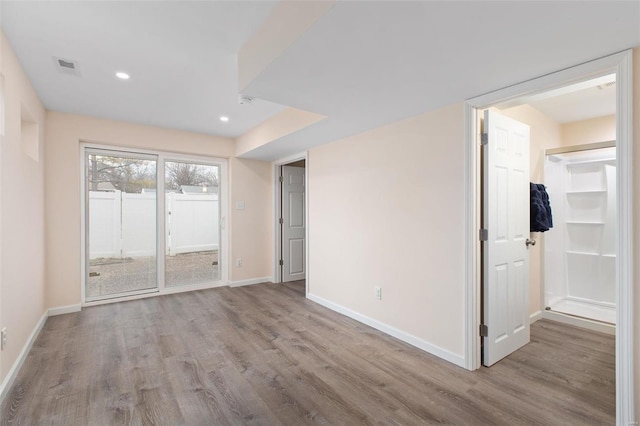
column 123, row 75
column 224, row 118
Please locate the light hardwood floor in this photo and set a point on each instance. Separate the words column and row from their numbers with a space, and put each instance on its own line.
column 265, row 355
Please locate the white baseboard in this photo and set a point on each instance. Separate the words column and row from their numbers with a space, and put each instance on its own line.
column 61, row 310
column 392, row 331
column 535, row 317
column 250, row 282
column 11, row 375
column 579, row 322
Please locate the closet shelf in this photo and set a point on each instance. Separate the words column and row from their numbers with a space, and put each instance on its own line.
column 582, row 253
column 587, row 192
column 611, row 161
column 609, row 255
column 577, row 222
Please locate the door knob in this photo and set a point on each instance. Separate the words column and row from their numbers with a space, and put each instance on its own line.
column 530, row 242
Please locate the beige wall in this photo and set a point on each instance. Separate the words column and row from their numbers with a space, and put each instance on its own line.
column 64, row 132
column 281, row 124
column 386, row 208
column 286, row 22
column 22, row 265
column 601, row 129
column 252, row 236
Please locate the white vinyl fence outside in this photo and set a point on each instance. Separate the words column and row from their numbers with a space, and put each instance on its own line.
column 123, row 225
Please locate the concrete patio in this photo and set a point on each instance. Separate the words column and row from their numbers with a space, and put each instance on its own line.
column 114, row 276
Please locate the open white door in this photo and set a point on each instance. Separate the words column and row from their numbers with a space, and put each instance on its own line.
column 293, row 246
column 506, row 219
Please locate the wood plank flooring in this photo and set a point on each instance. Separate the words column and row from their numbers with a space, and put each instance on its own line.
column 265, row 355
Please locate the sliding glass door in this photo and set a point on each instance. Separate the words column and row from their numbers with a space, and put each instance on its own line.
column 120, row 198
column 128, row 251
column 192, row 217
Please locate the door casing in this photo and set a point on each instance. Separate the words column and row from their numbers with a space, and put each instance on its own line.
column 621, row 65
column 277, row 230
column 286, row 208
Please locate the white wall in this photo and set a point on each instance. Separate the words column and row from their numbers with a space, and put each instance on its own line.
column 22, row 264
column 386, row 208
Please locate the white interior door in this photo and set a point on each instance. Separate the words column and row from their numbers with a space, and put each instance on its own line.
column 506, row 218
column 293, row 226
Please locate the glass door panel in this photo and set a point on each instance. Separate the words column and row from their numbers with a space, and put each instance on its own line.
column 192, row 215
column 121, row 221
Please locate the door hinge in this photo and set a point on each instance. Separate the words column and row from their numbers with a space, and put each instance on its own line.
column 281, row 262
column 484, row 138
column 484, row 330
column 281, row 221
column 281, row 179
column 484, row 234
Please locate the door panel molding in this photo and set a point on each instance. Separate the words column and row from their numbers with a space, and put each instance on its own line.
column 506, row 219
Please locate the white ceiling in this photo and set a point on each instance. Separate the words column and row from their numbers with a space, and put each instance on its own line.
column 595, row 100
column 363, row 64
column 182, row 58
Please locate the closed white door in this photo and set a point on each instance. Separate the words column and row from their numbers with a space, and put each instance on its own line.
column 505, row 251
column 293, row 226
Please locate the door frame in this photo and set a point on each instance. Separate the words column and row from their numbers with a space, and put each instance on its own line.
column 161, row 157
column 620, row 64
column 277, row 230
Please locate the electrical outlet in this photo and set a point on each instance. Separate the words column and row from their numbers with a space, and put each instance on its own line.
column 3, row 338
column 239, row 262
column 378, row 292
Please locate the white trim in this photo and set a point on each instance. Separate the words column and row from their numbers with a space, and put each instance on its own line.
column 193, row 287
column 392, row 331
column 15, row 368
column 621, row 64
column 624, row 260
column 61, row 310
column 579, row 322
column 290, row 159
column 84, row 208
column 472, row 246
column 277, row 278
column 277, row 230
column 252, row 281
column 120, row 296
column 535, row 317
column 161, row 223
column 575, row 74
column 143, row 295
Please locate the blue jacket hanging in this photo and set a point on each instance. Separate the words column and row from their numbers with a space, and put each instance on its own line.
column 540, row 209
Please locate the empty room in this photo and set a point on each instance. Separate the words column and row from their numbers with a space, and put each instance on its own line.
column 319, row 212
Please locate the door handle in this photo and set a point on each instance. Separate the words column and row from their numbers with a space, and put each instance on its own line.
column 530, row 242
